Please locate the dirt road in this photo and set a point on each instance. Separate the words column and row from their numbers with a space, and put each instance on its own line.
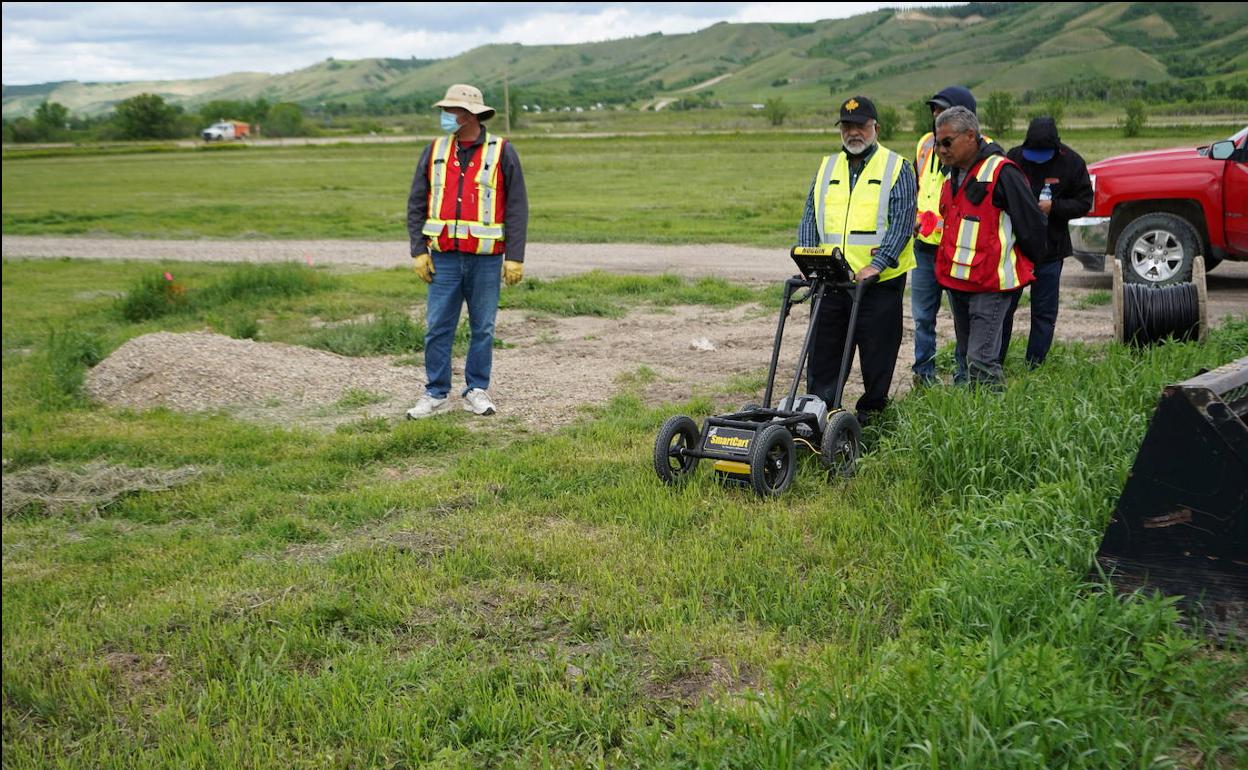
column 1228, row 284
column 550, row 365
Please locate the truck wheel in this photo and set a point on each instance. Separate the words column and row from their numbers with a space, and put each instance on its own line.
column 1157, row 249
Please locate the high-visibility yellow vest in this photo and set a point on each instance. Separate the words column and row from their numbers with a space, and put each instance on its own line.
column 857, row 220
column 930, row 180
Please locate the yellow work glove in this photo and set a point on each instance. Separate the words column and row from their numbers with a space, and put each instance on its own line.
column 423, row 265
column 513, row 271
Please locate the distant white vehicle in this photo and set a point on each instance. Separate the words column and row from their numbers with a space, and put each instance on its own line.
column 226, row 129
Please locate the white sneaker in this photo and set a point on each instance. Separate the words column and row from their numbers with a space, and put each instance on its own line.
column 478, row 401
column 428, row 405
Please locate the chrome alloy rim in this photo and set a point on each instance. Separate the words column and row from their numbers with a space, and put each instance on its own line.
column 1157, row 255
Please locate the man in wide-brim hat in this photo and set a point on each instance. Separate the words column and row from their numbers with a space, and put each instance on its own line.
column 467, row 218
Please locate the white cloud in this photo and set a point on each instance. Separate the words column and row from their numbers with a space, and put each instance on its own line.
column 45, row 42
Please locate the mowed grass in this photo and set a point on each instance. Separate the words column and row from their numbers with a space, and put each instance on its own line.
column 687, row 188
column 427, row 594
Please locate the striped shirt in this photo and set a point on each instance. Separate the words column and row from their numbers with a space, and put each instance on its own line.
column 902, row 202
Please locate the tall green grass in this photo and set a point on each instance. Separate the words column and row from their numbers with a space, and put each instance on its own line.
column 391, row 333
column 610, row 296
column 68, row 354
column 460, row 593
column 159, row 293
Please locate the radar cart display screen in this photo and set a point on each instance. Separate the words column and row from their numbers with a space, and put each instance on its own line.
column 823, row 262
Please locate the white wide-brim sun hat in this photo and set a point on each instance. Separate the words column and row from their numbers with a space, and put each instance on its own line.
column 467, row 97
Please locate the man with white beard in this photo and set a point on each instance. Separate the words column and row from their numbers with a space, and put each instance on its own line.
column 863, row 200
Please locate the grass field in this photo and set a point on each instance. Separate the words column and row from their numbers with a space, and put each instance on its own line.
column 432, row 595
column 741, row 189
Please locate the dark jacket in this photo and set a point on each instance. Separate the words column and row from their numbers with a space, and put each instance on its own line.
column 1067, row 176
column 1013, row 196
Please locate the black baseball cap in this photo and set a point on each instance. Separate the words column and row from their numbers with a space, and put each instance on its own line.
column 857, row 109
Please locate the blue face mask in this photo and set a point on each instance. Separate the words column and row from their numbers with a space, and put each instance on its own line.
column 450, row 123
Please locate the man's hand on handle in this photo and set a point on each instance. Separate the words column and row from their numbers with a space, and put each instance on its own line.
column 865, row 273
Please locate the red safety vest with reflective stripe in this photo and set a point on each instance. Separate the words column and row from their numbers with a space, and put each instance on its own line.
column 466, row 203
column 977, row 251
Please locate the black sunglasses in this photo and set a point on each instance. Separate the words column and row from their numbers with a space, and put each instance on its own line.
column 947, row 142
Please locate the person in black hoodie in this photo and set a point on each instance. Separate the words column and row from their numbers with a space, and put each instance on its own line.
column 1060, row 182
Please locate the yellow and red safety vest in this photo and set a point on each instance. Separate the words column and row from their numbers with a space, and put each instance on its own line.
column 978, row 251
column 466, row 203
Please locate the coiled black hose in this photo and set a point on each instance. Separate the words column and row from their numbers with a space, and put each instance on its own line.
column 1153, row 314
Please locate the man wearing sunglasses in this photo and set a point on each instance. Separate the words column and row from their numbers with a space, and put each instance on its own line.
column 862, row 200
column 993, row 233
column 925, row 291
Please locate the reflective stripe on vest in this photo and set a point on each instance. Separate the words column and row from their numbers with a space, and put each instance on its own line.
column 857, row 219
column 439, row 161
column 1007, row 270
column 483, row 226
column 964, row 255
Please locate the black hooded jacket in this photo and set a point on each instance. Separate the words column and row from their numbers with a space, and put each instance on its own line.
column 1067, row 176
column 953, row 96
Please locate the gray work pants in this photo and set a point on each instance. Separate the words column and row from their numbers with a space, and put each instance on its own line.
column 978, row 320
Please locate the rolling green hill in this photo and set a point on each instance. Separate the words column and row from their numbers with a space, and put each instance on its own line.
column 896, row 56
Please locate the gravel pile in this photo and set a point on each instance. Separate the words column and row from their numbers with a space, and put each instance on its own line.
column 202, row 371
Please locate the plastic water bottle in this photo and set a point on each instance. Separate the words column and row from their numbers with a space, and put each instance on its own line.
column 1046, row 192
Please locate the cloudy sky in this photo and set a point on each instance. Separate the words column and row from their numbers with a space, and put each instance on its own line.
column 95, row 42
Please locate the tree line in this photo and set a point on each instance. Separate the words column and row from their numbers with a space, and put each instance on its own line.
column 149, row 116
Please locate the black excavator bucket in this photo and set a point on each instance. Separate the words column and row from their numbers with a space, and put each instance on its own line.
column 1181, row 524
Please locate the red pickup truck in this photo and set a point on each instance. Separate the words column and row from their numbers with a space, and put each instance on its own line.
column 1156, row 210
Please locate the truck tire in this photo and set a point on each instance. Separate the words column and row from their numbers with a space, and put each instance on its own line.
column 1157, row 249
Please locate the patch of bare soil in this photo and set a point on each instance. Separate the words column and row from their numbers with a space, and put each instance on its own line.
column 54, row 489
column 706, row 678
column 137, row 672
column 553, row 367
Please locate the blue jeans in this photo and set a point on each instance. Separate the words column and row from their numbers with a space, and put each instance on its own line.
column 460, row 278
column 1044, row 300
column 925, row 294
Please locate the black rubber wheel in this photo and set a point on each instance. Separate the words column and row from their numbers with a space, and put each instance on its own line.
column 773, row 461
column 676, row 434
column 842, row 445
column 1157, row 249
